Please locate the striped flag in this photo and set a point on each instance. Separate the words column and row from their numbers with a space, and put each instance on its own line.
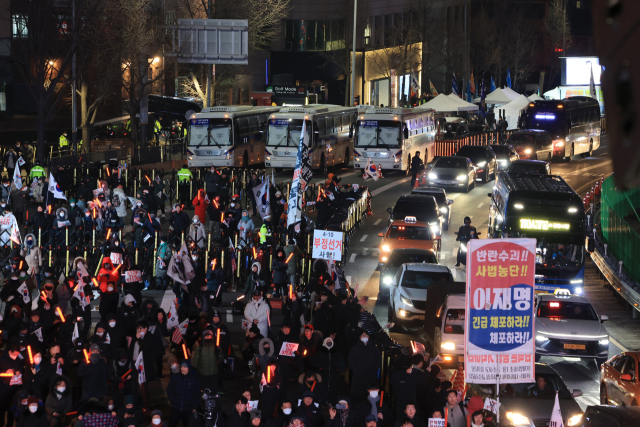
column 172, row 317
column 142, row 377
column 233, row 256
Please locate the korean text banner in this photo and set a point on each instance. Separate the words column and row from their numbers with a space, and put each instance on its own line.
column 301, row 176
column 499, row 334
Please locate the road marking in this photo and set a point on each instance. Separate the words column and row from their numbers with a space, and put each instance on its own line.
column 364, row 238
column 583, row 170
column 442, row 256
column 480, row 205
column 620, row 346
column 389, row 186
column 348, row 278
column 352, row 258
column 454, row 196
column 377, row 222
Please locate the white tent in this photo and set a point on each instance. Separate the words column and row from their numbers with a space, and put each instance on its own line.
column 535, row 97
column 444, row 103
column 464, row 105
column 512, row 110
column 501, row 96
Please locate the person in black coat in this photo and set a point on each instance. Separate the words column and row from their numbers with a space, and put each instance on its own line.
column 286, row 364
column 342, row 417
column 130, row 411
column 35, row 416
column 40, row 224
column 364, row 360
column 373, row 404
column 37, row 377
column 330, row 364
column 239, row 417
column 143, row 341
column 11, row 363
column 94, row 375
column 116, row 336
column 405, row 384
column 128, row 316
column 179, row 221
column 308, row 410
column 292, row 310
column 410, row 415
column 121, row 384
column 416, row 166
column 283, row 416
column 183, row 392
column 108, row 300
column 323, row 318
column 101, row 338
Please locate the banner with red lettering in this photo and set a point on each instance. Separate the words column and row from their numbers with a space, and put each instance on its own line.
column 499, row 334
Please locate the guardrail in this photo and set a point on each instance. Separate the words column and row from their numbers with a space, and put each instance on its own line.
column 448, row 147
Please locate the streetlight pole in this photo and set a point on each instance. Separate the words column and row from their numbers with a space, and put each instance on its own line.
column 353, row 52
column 209, row 66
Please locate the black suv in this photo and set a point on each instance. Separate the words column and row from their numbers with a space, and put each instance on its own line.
column 483, row 158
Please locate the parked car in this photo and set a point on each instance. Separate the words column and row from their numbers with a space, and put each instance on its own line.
column 505, row 154
column 444, row 204
column 483, row 158
column 532, row 144
column 452, row 171
column 530, row 166
column 619, row 380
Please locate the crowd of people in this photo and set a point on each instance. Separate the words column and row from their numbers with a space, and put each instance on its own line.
column 93, row 349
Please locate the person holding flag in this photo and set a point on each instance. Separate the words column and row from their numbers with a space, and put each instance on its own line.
column 143, row 343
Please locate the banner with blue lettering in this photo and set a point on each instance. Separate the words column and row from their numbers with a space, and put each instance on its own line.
column 499, row 331
column 301, row 176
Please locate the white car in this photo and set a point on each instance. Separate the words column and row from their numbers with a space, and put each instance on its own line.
column 408, row 293
column 567, row 325
column 449, row 335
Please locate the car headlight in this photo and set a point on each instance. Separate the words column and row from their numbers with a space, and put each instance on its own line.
column 384, row 259
column 578, row 291
column 406, row 300
column 541, row 338
column 448, row 346
column 527, row 151
column 574, row 421
column 387, row 280
column 385, row 248
column 443, row 210
column 481, row 164
column 432, row 175
column 603, row 342
column 559, row 143
column 517, row 419
column 503, row 162
column 434, row 229
column 462, row 177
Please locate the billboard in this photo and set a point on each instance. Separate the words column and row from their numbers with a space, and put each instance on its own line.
column 499, row 334
column 577, row 71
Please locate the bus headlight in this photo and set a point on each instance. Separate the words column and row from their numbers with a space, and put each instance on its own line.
column 190, row 157
column 461, row 177
column 357, row 159
column 228, row 156
column 527, row 151
column 517, row 419
column 268, row 157
column 432, row 176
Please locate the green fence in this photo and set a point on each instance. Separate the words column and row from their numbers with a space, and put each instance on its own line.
column 621, row 236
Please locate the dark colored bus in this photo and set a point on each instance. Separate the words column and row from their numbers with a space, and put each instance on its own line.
column 574, row 124
column 546, row 208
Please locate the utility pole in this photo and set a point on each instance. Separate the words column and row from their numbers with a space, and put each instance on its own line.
column 74, row 114
column 353, row 52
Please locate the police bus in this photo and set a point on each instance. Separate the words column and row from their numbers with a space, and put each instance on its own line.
column 574, row 124
column 546, row 208
column 329, row 128
column 227, row 136
column 390, row 136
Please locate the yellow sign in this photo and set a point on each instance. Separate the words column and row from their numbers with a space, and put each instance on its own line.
column 542, row 224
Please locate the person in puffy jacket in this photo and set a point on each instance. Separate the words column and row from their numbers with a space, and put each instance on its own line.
column 253, row 279
column 200, row 203
column 197, row 233
column 257, row 312
column 107, row 274
column 32, row 255
column 279, row 269
column 205, row 361
column 246, row 227
column 119, row 201
column 183, row 392
column 59, row 401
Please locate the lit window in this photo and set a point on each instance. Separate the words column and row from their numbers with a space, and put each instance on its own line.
column 19, row 26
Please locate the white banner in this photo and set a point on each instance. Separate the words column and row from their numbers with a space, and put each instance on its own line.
column 261, row 194
column 288, row 349
column 301, row 176
column 327, row 244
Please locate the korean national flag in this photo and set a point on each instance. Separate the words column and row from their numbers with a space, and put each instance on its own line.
column 38, row 333
column 172, row 317
column 142, row 377
column 79, row 293
column 54, row 188
column 24, row 291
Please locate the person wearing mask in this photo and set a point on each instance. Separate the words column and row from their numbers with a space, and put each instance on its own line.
column 121, row 384
column 158, row 193
column 10, row 161
column 364, row 361
column 283, row 415
column 144, row 342
column 107, row 274
column 245, row 227
column 223, row 188
column 200, row 204
column 372, row 406
column 32, row 255
column 58, row 402
column 37, row 378
column 205, row 361
column 156, row 419
column 257, row 312
column 35, row 416
column 455, row 411
column 93, row 374
column 197, row 232
column 215, row 211
column 108, row 300
column 127, row 315
column 253, row 280
column 39, row 223
column 309, row 411
column 130, row 414
column 183, row 393
column 279, row 272
column 162, row 261
column 179, row 221
column 211, row 179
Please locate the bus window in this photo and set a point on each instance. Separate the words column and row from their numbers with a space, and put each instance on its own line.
column 243, row 125
column 322, row 129
column 345, row 121
column 253, row 124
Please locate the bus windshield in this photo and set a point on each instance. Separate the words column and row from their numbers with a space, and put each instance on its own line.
column 558, row 256
column 553, row 121
column 210, row 132
column 373, row 133
column 286, row 132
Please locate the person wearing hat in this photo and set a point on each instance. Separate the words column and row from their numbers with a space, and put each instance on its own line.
column 279, row 273
column 35, row 416
column 309, row 410
column 255, row 418
column 93, row 374
column 257, row 312
column 184, row 176
column 130, row 411
column 121, row 384
column 183, row 393
column 252, row 340
column 364, row 361
column 205, row 360
column 156, row 419
column 371, row 421
column 329, row 365
column 311, row 381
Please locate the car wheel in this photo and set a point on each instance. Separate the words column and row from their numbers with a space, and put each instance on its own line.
column 604, row 399
column 391, row 317
column 485, row 178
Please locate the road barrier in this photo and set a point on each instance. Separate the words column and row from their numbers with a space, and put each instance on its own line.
column 448, row 147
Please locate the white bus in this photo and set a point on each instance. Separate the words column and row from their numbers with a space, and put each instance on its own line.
column 227, row 136
column 391, row 136
column 330, row 129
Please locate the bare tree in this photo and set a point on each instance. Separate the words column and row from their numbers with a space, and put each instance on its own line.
column 43, row 52
column 557, row 34
column 520, row 47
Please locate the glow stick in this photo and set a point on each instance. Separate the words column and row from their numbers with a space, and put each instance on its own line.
column 289, row 258
column 184, row 349
column 218, row 338
column 240, row 297
column 290, row 291
column 6, row 374
column 127, row 373
column 86, row 356
column 30, row 354
column 60, row 314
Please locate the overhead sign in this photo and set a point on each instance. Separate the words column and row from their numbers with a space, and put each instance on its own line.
column 499, row 335
column 289, row 90
column 210, row 41
column 327, row 244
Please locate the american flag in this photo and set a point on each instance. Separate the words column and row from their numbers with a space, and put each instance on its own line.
column 180, row 330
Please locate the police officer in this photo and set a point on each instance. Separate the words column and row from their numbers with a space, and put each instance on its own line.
column 37, row 171
column 265, row 232
column 157, row 128
column 184, row 176
column 465, row 233
column 63, row 143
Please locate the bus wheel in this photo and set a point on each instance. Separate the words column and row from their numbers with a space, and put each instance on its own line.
column 590, row 152
column 571, row 153
column 346, row 158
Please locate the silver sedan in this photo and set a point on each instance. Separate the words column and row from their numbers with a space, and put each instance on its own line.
column 452, row 172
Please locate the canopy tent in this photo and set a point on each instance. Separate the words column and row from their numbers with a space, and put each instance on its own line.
column 446, row 103
column 535, row 97
column 510, row 92
column 501, row 96
column 512, row 110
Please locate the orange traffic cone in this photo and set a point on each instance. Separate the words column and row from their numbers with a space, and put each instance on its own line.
column 424, row 178
column 417, row 183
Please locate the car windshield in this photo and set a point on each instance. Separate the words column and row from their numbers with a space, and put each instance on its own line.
column 451, row 163
column 521, row 138
column 476, row 154
column 550, row 382
column 566, row 310
column 423, row 210
column 527, row 168
column 500, row 150
column 397, row 258
column 423, row 279
column 406, row 232
column 454, row 321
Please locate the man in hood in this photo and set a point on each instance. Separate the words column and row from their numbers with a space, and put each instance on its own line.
column 59, row 401
column 253, row 279
column 93, row 374
column 257, row 312
column 197, row 232
column 246, row 228
column 183, row 392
